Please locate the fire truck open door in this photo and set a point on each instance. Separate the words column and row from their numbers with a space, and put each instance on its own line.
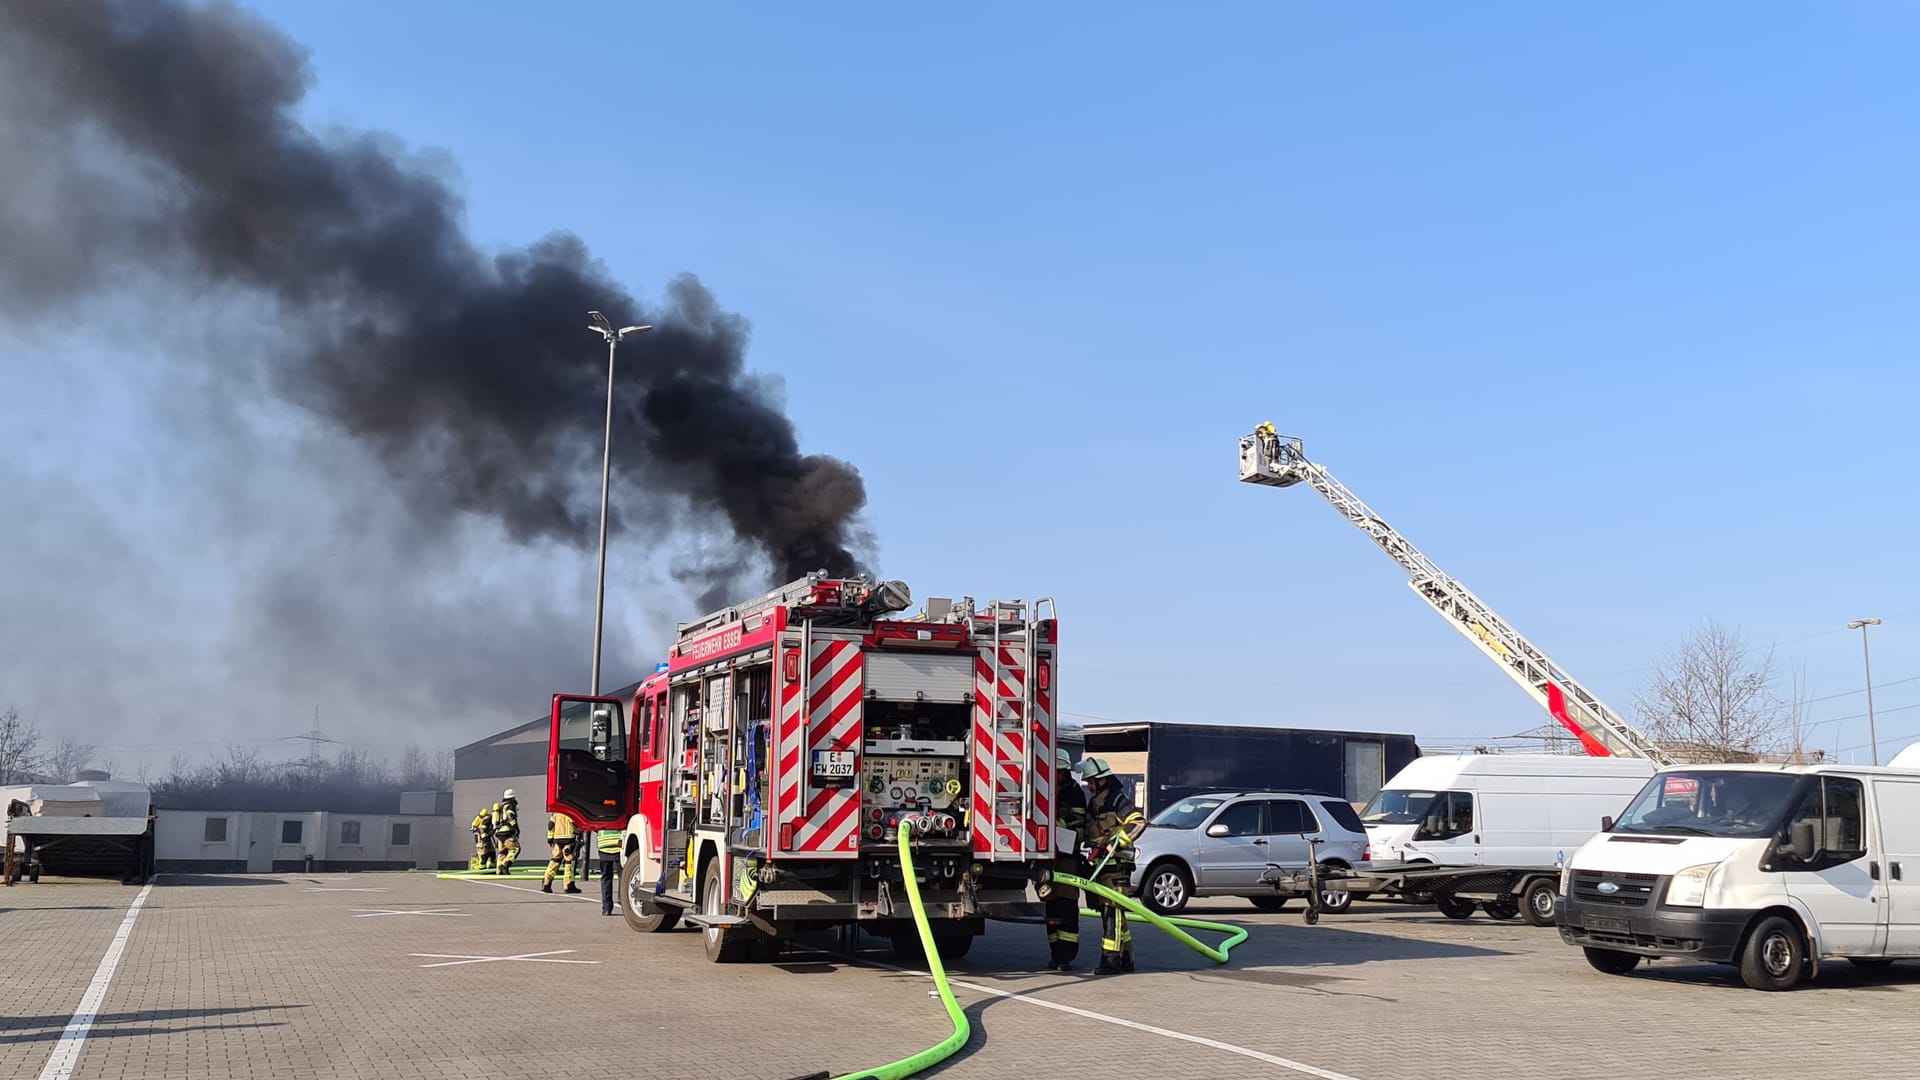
column 590, row 756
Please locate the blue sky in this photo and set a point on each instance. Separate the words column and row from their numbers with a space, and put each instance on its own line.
column 1608, row 310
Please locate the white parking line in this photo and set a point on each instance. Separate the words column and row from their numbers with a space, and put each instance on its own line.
column 1214, row 1044
column 374, row 913
column 66, row 1052
column 456, row 959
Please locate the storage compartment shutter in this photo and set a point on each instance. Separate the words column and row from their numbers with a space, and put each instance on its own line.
column 946, row 677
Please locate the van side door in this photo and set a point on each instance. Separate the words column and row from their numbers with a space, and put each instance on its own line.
column 1837, row 885
column 1897, row 811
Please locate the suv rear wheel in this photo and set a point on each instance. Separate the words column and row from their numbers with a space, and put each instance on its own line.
column 1335, row 900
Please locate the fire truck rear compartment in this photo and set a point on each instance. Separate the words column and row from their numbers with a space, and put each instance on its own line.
column 916, row 761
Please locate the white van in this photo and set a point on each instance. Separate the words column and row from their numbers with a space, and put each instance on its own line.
column 1772, row 868
column 1497, row 809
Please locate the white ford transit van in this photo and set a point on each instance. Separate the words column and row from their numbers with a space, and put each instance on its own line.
column 1497, row 809
column 1772, row 868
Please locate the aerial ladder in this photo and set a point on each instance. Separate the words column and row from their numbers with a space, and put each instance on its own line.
column 1275, row 460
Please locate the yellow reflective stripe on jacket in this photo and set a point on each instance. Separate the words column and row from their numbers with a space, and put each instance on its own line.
column 609, row 842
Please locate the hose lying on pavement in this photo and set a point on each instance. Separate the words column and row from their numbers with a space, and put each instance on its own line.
column 946, row 1047
column 1218, row 954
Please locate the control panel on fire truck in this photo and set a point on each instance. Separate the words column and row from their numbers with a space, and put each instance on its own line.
column 904, row 777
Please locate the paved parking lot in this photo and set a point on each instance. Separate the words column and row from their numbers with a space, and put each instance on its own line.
column 405, row 975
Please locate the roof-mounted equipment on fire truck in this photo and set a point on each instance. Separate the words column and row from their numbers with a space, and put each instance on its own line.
column 817, row 590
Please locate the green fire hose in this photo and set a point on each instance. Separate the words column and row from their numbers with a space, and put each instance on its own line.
column 1173, row 926
column 946, row 1047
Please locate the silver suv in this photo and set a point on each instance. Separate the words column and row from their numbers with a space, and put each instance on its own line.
column 1220, row 844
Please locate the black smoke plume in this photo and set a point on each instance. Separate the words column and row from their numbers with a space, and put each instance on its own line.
column 153, row 139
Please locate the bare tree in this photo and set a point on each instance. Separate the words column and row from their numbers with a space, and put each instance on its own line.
column 1795, row 744
column 68, row 760
column 421, row 770
column 20, row 757
column 1713, row 699
column 242, row 767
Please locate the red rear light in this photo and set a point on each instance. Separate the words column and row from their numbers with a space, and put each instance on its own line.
column 1045, row 675
column 786, row 837
column 790, row 665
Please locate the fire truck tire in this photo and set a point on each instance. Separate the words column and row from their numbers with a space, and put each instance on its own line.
column 723, row 946
column 643, row 913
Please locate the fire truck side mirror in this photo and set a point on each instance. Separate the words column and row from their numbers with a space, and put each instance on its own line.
column 600, row 733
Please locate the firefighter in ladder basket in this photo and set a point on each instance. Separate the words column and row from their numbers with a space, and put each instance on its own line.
column 1063, row 904
column 1115, row 823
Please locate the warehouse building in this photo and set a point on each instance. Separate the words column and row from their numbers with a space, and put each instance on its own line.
column 515, row 758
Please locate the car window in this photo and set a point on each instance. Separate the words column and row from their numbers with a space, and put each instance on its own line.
column 1241, row 819
column 1185, row 814
column 1833, row 810
column 1290, row 816
column 1343, row 815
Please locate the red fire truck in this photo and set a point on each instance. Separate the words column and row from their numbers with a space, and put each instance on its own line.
column 761, row 773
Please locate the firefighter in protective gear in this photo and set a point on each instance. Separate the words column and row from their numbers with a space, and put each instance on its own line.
column 563, row 841
column 1063, row 903
column 609, row 846
column 482, row 840
column 1115, row 825
column 506, row 831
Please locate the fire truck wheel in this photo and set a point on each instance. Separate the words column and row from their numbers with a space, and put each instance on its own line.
column 723, row 946
column 637, row 904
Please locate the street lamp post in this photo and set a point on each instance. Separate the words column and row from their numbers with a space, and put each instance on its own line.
column 1873, row 739
column 601, row 326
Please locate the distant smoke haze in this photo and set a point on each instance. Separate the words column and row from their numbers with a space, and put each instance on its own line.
column 151, row 151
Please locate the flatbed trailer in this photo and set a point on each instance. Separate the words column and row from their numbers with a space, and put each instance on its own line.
column 1503, row 892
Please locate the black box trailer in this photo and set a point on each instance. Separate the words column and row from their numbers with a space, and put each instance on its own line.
column 1168, row 762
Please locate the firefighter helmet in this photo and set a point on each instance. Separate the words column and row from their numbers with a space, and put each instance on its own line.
column 1062, row 759
column 508, row 794
column 1094, row 768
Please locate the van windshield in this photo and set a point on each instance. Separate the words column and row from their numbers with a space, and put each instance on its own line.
column 1394, row 807
column 1707, row 802
column 1185, row 814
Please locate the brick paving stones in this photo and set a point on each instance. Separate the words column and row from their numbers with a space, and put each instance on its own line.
column 289, row 976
